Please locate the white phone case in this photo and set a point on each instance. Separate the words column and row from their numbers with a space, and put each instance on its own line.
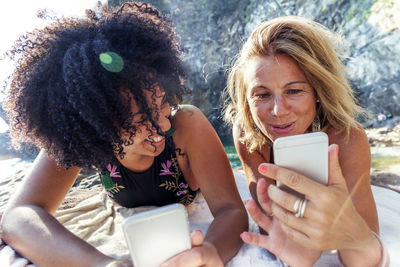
column 305, row 153
column 155, row 235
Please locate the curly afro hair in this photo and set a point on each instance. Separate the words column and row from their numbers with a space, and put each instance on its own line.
column 66, row 94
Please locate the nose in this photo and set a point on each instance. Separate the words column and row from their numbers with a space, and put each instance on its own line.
column 280, row 106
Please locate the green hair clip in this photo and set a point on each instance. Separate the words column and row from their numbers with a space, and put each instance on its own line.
column 111, row 61
column 170, row 132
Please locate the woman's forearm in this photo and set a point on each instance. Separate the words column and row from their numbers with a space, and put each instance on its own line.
column 39, row 237
column 224, row 232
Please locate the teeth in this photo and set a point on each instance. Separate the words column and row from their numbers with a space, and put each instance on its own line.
column 155, row 139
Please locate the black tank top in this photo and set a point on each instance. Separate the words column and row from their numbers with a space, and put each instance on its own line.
column 163, row 183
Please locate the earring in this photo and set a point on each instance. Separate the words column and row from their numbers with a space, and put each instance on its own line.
column 255, row 128
column 316, row 124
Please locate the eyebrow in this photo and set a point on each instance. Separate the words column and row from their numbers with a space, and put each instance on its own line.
column 286, row 85
column 290, row 83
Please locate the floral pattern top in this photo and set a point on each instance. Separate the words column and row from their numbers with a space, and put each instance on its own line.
column 163, row 183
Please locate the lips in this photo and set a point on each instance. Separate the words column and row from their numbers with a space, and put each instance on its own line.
column 282, row 128
column 156, row 141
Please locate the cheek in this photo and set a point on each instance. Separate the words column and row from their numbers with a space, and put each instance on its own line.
column 259, row 112
column 260, row 117
column 253, row 111
column 309, row 113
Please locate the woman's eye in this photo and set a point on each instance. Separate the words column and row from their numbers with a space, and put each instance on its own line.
column 294, row 91
column 261, row 96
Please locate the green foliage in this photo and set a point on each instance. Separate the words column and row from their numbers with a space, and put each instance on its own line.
column 361, row 5
column 325, row 9
column 351, row 13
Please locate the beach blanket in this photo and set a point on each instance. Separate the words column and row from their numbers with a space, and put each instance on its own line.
column 98, row 220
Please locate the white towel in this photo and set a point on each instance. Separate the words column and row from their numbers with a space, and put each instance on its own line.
column 98, row 221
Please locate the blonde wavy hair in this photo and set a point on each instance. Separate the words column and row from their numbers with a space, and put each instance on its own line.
column 316, row 51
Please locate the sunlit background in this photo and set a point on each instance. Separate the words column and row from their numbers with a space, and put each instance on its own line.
column 18, row 17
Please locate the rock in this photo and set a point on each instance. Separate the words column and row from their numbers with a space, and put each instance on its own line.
column 386, row 134
column 214, row 31
column 385, row 179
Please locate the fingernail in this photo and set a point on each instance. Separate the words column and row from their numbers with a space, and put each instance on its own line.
column 262, row 168
column 243, row 236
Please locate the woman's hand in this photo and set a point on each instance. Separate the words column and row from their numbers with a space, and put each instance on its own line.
column 201, row 254
column 330, row 219
column 276, row 241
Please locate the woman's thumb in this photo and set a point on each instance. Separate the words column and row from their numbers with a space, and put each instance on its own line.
column 335, row 176
column 197, row 238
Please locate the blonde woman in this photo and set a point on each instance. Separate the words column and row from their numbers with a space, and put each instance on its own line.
column 288, row 79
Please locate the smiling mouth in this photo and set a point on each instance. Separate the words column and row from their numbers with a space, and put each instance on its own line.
column 155, row 139
column 284, row 126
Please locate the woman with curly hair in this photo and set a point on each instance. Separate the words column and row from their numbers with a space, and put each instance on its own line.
column 104, row 92
column 288, row 79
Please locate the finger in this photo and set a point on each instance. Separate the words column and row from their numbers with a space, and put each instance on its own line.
column 297, row 236
column 300, row 224
column 262, row 195
column 335, row 176
column 197, row 238
column 292, row 179
column 288, row 201
column 282, row 198
column 258, row 216
column 255, row 239
column 188, row 258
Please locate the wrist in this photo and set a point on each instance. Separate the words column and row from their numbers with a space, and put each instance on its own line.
column 366, row 252
column 212, row 248
column 217, row 260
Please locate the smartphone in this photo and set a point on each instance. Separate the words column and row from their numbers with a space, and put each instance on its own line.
column 156, row 235
column 306, row 154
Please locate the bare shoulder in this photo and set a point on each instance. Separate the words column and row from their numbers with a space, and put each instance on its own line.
column 354, row 156
column 188, row 118
column 190, row 123
column 357, row 140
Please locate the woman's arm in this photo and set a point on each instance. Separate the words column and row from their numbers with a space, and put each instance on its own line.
column 210, row 166
column 355, row 163
column 250, row 162
column 28, row 226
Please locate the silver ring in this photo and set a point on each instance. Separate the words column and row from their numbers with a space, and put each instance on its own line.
column 296, row 206
column 300, row 212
